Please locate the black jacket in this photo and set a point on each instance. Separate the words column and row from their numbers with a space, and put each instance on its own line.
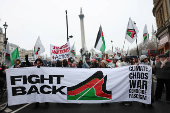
column 164, row 72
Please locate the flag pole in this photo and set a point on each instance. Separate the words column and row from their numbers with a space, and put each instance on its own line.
column 137, row 44
column 137, row 47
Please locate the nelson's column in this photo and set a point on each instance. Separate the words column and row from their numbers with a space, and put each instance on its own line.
column 82, row 27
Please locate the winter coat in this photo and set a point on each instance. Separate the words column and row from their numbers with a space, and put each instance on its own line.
column 164, row 72
column 110, row 65
column 152, row 87
column 86, row 65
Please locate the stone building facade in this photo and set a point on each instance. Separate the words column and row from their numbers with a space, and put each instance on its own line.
column 161, row 11
column 2, row 47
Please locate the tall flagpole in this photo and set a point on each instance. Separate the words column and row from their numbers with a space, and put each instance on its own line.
column 137, row 44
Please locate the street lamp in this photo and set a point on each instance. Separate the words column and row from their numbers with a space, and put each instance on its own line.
column 70, row 37
column 67, row 25
column 67, row 28
column 112, row 45
column 5, row 26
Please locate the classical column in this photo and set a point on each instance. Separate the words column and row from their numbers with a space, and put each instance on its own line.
column 81, row 16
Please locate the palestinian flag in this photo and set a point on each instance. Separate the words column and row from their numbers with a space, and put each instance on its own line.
column 118, row 54
column 72, row 51
column 84, row 49
column 93, row 88
column 38, row 48
column 131, row 32
column 145, row 35
column 100, row 42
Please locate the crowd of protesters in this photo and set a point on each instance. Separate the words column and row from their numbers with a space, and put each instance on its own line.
column 160, row 66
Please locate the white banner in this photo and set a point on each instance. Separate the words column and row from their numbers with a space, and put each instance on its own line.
column 75, row 85
column 59, row 52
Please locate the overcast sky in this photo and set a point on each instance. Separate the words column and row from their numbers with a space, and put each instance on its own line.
column 28, row 19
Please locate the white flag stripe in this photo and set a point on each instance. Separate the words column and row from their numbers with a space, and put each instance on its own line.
column 100, row 42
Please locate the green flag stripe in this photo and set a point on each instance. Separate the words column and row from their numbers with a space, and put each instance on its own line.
column 129, row 33
column 145, row 37
column 73, row 53
column 103, row 45
column 15, row 55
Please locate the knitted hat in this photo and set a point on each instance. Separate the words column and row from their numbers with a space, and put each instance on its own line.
column 142, row 57
column 94, row 59
column 108, row 60
column 163, row 55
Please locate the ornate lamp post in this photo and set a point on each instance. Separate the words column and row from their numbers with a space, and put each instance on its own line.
column 6, row 39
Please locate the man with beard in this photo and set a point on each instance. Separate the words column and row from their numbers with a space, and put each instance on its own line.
column 163, row 77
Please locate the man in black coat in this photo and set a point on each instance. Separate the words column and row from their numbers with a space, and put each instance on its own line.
column 39, row 63
column 162, row 69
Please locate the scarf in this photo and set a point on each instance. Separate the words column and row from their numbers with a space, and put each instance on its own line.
column 163, row 63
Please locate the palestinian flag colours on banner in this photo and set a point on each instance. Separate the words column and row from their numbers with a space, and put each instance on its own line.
column 100, row 42
column 131, row 32
column 145, row 35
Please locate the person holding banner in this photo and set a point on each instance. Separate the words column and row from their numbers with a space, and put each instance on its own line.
column 126, row 62
column 103, row 64
column 87, row 64
column 133, row 61
column 73, row 65
column 65, row 63
column 110, row 64
column 17, row 63
column 144, row 61
column 52, row 64
column 39, row 63
column 114, row 62
column 94, row 64
column 80, row 64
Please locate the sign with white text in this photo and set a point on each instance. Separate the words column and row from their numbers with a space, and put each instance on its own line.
column 60, row 52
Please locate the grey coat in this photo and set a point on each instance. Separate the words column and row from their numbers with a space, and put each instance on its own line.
column 164, row 72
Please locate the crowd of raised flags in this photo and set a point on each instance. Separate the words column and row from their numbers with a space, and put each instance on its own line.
column 130, row 36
